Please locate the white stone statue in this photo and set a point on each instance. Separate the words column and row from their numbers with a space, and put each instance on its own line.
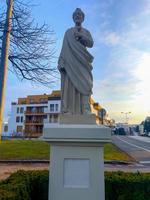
column 75, row 67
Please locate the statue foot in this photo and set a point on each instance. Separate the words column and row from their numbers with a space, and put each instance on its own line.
column 87, row 112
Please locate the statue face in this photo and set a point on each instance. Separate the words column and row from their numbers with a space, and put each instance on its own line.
column 78, row 16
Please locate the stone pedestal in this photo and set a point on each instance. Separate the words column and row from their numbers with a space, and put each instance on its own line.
column 76, row 161
column 77, row 119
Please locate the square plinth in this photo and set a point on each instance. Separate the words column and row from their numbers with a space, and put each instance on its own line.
column 77, row 133
column 76, row 161
column 76, row 172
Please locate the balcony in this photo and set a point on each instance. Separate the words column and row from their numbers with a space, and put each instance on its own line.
column 32, row 134
column 34, row 122
column 35, row 112
column 45, row 121
column 48, row 111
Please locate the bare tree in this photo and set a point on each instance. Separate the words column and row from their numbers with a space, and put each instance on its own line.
column 31, row 53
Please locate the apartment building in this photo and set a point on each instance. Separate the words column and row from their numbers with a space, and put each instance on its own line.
column 29, row 114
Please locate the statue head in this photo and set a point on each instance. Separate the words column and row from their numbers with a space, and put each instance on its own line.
column 78, row 16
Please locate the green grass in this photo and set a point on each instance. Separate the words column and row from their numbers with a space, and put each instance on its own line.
column 29, row 149
column 24, row 149
column 111, row 152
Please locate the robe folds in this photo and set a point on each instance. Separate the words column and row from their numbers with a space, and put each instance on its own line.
column 76, row 73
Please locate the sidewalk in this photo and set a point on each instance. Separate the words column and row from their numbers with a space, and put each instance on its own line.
column 6, row 169
column 141, row 138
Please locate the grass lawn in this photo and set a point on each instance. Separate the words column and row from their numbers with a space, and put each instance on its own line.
column 24, row 149
column 111, row 152
column 29, row 149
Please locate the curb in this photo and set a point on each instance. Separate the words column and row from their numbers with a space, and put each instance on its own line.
column 119, row 162
column 113, row 162
column 23, row 161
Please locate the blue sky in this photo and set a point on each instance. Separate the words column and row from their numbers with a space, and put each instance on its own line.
column 121, row 32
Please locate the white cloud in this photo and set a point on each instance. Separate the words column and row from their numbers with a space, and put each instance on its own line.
column 142, row 73
column 110, row 38
column 117, row 94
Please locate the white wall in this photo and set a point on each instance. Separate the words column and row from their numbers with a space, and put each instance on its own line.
column 12, row 124
column 54, row 102
column 49, row 112
column 3, row 132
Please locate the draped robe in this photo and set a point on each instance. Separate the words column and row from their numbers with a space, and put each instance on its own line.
column 76, row 73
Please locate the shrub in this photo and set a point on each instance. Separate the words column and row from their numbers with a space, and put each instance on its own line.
column 33, row 185
column 23, row 185
column 127, row 186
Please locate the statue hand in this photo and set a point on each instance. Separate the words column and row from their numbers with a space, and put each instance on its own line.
column 62, row 70
column 78, row 35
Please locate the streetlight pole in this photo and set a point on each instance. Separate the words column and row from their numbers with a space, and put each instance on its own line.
column 126, row 116
column 4, row 59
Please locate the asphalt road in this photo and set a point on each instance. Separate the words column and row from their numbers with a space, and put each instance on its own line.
column 136, row 146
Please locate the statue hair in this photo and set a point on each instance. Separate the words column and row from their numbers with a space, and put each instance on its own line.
column 78, row 9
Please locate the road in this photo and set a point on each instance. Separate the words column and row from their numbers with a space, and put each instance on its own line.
column 137, row 147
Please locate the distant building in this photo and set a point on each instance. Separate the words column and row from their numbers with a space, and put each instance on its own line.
column 5, row 129
column 29, row 114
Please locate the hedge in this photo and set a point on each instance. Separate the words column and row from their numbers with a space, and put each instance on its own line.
column 33, row 185
column 127, row 186
column 25, row 185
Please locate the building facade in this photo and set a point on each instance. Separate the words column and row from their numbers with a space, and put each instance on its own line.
column 29, row 114
column 5, row 129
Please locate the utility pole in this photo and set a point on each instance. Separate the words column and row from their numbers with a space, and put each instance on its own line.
column 4, row 59
column 126, row 116
column 102, row 114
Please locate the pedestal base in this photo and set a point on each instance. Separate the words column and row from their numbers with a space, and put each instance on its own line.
column 77, row 119
column 76, row 161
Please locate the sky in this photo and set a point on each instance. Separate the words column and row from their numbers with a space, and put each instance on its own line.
column 121, row 66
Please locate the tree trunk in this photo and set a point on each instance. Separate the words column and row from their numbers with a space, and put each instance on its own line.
column 4, row 59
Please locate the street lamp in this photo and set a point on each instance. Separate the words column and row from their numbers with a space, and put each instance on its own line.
column 126, row 116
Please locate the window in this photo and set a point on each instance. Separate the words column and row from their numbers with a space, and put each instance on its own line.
column 19, row 129
column 17, row 110
column 45, row 116
column 17, row 119
column 32, row 101
column 56, row 106
column 5, row 128
column 21, row 110
column 21, row 119
column 51, row 107
column 33, row 109
column 50, row 118
column 43, row 100
column 41, row 109
column 55, row 118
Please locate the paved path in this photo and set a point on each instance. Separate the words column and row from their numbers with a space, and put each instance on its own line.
column 7, row 169
column 138, row 148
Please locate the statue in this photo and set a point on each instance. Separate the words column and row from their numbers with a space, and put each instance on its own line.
column 75, row 67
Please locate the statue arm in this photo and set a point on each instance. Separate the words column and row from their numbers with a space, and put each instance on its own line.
column 61, row 64
column 88, row 40
column 85, row 38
